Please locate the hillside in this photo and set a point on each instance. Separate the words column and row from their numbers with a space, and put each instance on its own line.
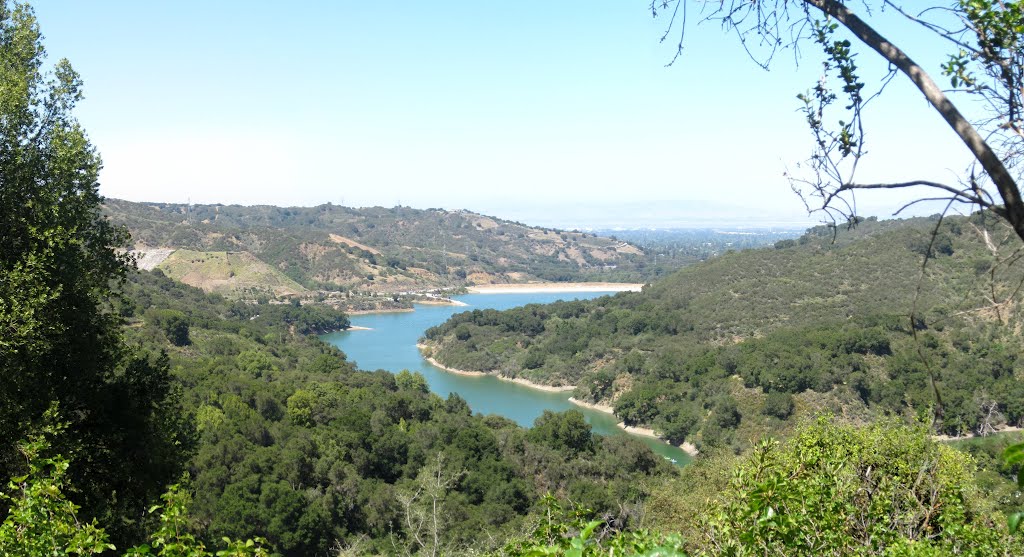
column 232, row 274
column 374, row 251
column 724, row 351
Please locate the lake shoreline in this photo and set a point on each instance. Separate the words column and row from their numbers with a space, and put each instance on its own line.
column 439, row 302
column 428, row 302
column 524, row 382
column 554, row 287
column 690, row 448
column 374, row 311
column 686, row 446
column 606, row 408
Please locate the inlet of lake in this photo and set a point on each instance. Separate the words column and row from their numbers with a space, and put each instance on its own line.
column 390, row 344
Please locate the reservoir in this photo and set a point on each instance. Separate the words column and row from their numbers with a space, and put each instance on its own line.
column 390, row 344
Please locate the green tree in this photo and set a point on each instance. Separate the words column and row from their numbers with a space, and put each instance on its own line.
column 173, row 537
column 1014, row 455
column 778, row 404
column 300, row 407
column 563, row 431
column 42, row 521
column 176, row 330
column 59, row 342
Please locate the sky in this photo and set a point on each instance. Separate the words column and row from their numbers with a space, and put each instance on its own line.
column 552, row 113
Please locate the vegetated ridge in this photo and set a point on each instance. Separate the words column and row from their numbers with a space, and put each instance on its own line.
column 367, row 252
column 723, row 352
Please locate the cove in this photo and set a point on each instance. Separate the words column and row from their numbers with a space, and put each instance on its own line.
column 390, row 344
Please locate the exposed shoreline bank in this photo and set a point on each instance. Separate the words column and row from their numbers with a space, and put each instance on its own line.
column 372, row 311
column 607, row 409
column 519, row 380
column 686, row 446
column 425, row 302
column 423, row 347
column 439, row 302
column 690, row 448
column 554, row 287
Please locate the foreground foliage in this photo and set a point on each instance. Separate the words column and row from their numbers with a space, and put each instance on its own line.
column 58, row 261
column 833, row 489
column 1014, row 456
column 884, row 489
column 43, row 522
column 40, row 519
column 572, row 532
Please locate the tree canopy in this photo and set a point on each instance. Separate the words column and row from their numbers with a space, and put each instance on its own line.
column 59, row 262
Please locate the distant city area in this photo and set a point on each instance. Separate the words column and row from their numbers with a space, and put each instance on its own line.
column 700, row 242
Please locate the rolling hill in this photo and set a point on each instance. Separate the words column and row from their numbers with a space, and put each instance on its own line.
column 229, row 273
column 370, row 251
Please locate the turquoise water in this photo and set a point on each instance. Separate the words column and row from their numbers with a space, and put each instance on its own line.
column 391, row 345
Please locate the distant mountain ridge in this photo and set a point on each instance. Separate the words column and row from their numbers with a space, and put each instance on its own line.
column 376, row 250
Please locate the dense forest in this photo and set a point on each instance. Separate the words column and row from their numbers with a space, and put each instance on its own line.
column 723, row 352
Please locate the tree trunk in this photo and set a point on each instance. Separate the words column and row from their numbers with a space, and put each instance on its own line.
column 1013, row 206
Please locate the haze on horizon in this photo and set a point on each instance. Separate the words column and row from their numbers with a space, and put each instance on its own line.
column 549, row 114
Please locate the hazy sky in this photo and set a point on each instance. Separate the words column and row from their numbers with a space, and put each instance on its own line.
column 517, row 109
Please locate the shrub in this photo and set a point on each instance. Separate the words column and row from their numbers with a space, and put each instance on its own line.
column 842, row 490
column 778, row 404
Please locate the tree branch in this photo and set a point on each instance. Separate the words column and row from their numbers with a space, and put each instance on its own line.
column 947, row 34
column 1013, row 209
column 959, row 193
